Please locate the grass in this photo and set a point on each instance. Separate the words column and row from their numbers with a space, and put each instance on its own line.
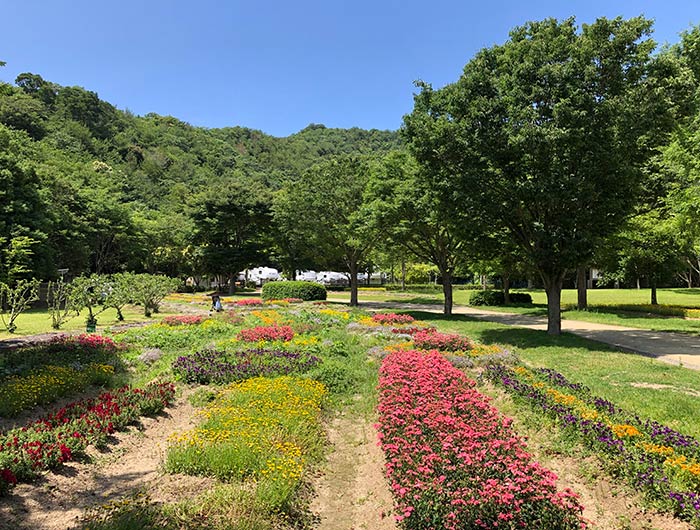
column 621, row 307
column 648, row 387
column 36, row 321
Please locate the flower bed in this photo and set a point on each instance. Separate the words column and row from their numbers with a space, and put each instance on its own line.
column 661, row 462
column 183, row 320
column 261, row 429
column 248, row 302
column 47, row 384
column 64, row 434
column 452, row 461
column 211, row 366
column 430, row 339
column 392, row 318
column 266, row 333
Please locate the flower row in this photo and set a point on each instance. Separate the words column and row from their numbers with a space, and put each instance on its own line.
column 64, row 434
column 263, row 430
column 212, row 366
column 392, row 318
column 266, row 333
column 452, row 459
column 47, row 384
column 657, row 460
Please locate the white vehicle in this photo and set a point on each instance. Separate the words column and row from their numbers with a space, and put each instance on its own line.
column 261, row 275
column 332, row 278
column 307, row 276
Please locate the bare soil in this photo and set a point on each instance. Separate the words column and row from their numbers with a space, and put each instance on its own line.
column 130, row 463
column 352, row 493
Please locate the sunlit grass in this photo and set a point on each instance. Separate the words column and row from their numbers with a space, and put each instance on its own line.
column 665, row 393
column 37, row 321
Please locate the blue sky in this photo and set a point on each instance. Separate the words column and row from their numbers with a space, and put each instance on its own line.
column 278, row 65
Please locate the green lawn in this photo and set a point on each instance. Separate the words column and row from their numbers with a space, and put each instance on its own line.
column 651, row 388
column 601, row 302
column 37, row 321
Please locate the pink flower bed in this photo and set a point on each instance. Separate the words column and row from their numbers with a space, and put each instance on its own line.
column 183, row 320
column 429, row 339
column 392, row 318
column 258, row 333
column 453, row 461
column 248, row 302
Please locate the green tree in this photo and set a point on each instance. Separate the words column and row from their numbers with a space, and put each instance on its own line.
column 327, row 203
column 406, row 210
column 545, row 136
column 231, row 228
column 14, row 299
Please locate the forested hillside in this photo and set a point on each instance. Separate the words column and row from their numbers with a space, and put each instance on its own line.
column 89, row 187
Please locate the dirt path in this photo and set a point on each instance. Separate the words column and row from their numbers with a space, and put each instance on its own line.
column 132, row 462
column 353, row 493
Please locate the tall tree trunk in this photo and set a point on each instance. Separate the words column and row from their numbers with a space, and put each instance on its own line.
column 447, row 291
column 353, row 283
column 582, row 288
column 639, row 286
column 403, row 274
column 652, row 284
column 552, row 286
column 506, row 288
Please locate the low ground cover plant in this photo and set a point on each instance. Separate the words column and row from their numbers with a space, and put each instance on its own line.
column 270, row 333
column 662, row 463
column 48, row 383
column 64, row 434
column 215, row 366
column 452, row 459
column 264, row 431
column 392, row 318
column 430, row 339
column 183, row 320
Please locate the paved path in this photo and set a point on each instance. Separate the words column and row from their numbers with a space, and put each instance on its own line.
column 674, row 348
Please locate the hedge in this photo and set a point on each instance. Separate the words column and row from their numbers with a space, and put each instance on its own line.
column 498, row 298
column 296, row 289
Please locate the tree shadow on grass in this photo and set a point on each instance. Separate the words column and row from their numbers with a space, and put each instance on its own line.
column 493, row 333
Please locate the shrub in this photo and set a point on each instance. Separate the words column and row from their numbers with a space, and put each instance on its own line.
column 392, row 318
column 303, row 290
column 487, row 298
column 498, row 298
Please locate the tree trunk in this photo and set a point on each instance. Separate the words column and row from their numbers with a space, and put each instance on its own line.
column 403, row 275
column 582, row 289
column 447, row 291
column 353, row 283
column 638, row 284
column 552, row 286
column 506, row 288
column 652, row 284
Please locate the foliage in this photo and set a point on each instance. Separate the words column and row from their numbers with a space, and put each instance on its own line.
column 519, row 140
column 14, row 299
column 453, row 460
column 148, row 290
column 497, row 298
column 88, row 292
column 295, row 289
column 119, row 292
column 661, row 462
column 327, row 202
